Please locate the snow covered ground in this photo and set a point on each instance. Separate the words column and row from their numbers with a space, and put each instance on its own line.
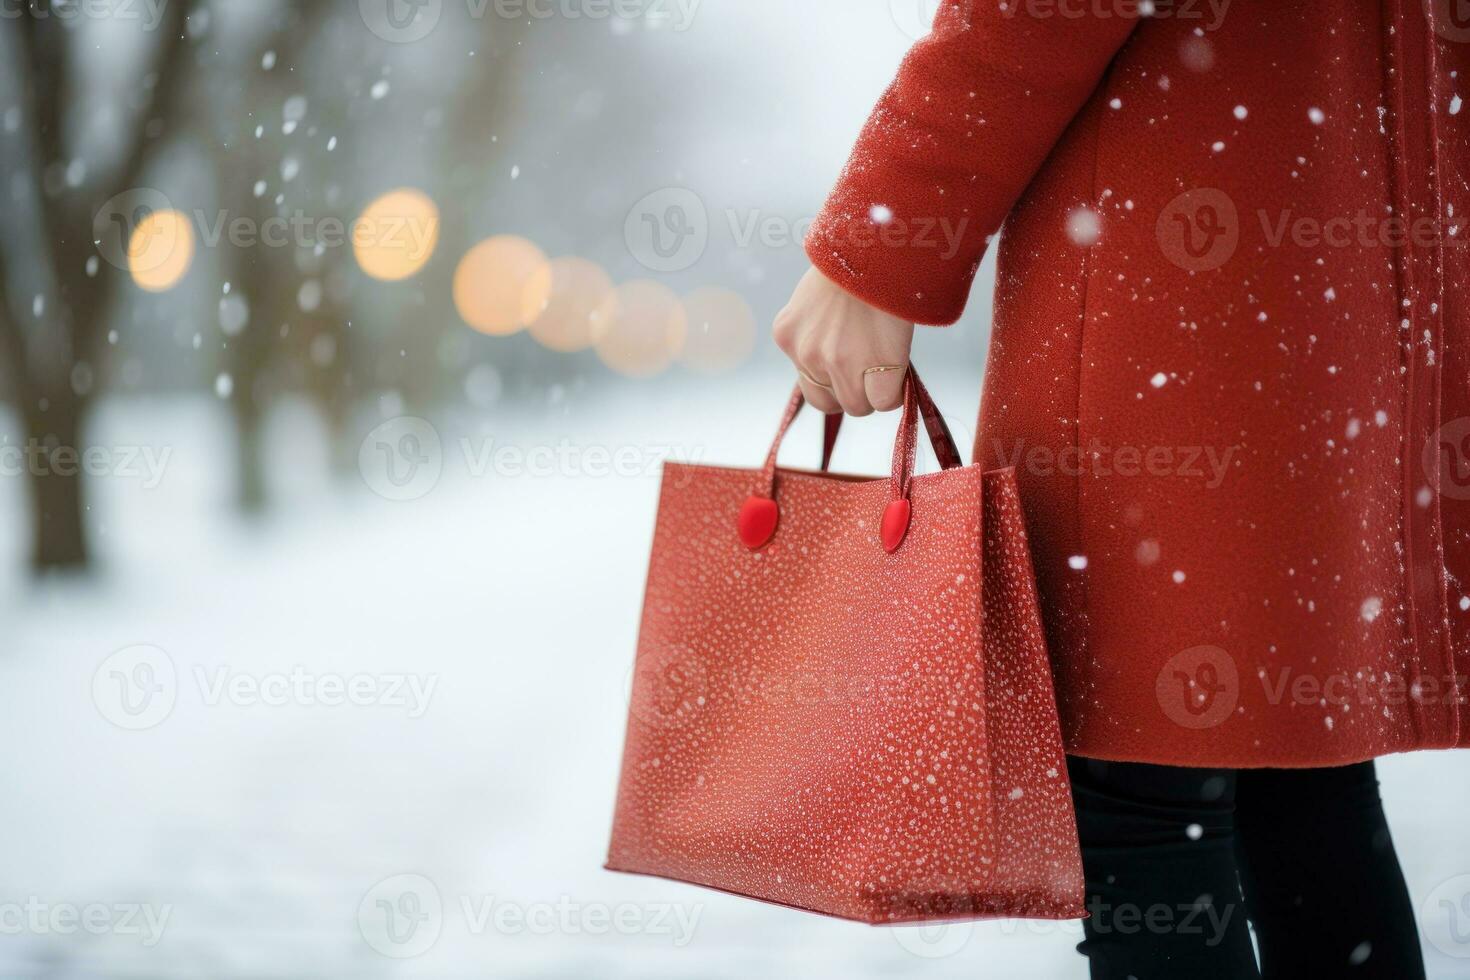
column 249, row 819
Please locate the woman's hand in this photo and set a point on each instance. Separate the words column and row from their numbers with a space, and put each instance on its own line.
column 850, row 356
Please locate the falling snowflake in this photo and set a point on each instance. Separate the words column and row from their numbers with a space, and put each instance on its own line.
column 1197, row 53
column 234, row 315
column 309, row 296
column 1084, row 227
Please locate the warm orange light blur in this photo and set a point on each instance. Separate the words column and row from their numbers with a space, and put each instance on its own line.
column 578, row 288
column 640, row 328
column 396, row 234
column 161, row 250
column 502, row 284
column 721, row 330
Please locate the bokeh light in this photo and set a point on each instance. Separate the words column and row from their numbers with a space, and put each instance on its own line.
column 721, row 330
column 640, row 328
column 396, row 234
column 502, row 284
column 578, row 289
column 160, row 250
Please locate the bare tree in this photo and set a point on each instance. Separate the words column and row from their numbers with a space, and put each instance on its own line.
column 52, row 353
column 480, row 112
column 258, row 274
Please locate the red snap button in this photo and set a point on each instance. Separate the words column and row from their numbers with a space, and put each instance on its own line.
column 895, row 524
column 757, row 522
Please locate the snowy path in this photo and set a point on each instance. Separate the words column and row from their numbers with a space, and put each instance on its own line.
column 260, row 829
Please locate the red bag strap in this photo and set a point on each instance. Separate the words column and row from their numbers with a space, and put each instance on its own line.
column 831, row 425
column 916, row 398
column 917, row 404
column 940, row 439
column 759, row 515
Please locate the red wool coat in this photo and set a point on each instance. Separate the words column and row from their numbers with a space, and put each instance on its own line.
column 1229, row 356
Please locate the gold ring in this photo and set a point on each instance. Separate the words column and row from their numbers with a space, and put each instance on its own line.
column 882, row 368
column 808, row 377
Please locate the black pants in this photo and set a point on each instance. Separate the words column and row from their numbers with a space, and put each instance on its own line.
column 1177, row 860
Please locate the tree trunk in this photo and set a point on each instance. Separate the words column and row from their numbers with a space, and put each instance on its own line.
column 250, row 489
column 53, row 465
column 46, row 356
column 249, row 355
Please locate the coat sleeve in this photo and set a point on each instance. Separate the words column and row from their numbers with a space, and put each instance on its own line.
column 975, row 109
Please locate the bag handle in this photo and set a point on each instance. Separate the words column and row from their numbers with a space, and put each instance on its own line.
column 760, row 513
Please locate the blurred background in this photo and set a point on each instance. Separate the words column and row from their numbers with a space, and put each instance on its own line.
column 342, row 342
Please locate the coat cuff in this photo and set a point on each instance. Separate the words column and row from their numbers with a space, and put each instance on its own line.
column 975, row 110
column 910, row 266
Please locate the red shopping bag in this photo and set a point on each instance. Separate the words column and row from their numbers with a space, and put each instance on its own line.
column 842, row 700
